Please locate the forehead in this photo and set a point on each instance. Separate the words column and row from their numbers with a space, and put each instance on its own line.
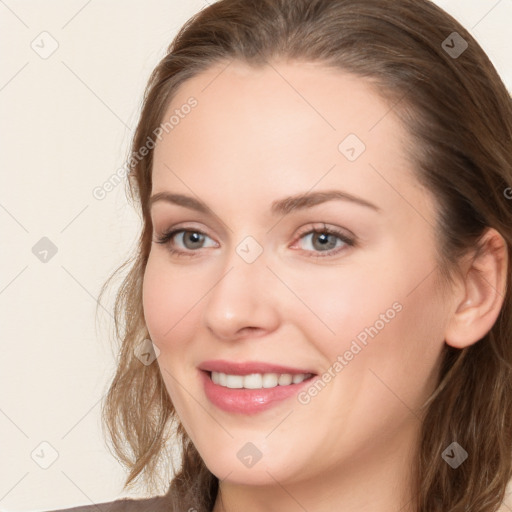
column 290, row 125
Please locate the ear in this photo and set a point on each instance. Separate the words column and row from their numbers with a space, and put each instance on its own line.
column 479, row 303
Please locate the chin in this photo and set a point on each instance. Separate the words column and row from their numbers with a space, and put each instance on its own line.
column 263, row 472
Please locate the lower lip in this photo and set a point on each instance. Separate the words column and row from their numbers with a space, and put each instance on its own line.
column 248, row 401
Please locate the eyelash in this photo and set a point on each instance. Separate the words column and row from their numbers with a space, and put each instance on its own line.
column 166, row 237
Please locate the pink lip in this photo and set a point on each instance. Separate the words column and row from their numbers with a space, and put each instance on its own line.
column 248, row 401
column 247, row 368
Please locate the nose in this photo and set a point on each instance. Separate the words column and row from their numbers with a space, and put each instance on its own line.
column 243, row 300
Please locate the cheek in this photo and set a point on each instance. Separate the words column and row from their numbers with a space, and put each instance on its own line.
column 401, row 340
column 381, row 321
column 168, row 299
column 336, row 304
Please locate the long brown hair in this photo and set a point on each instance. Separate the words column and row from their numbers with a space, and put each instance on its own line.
column 459, row 115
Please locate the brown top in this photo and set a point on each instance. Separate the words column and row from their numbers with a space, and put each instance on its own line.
column 156, row 504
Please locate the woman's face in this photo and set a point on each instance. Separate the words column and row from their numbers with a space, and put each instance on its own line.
column 251, row 282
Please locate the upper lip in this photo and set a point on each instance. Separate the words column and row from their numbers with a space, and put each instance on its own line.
column 248, row 367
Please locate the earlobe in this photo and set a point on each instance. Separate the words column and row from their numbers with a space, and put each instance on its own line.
column 479, row 304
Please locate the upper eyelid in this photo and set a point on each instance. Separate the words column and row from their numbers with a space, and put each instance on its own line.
column 318, row 226
column 218, row 224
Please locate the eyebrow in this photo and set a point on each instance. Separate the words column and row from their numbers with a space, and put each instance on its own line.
column 281, row 206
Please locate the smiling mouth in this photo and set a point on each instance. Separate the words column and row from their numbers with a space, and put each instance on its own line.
column 257, row 380
column 251, row 393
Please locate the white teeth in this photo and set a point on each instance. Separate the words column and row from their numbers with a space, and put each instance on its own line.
column 270, row 380
column 257, row 380
column 234, row 381
column 285, row 379
column 253, row 381
column 298, row 378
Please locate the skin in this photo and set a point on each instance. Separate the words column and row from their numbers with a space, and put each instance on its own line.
column 254, row 138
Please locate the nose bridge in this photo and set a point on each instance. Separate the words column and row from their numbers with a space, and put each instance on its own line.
column 245, row 264
column 240, row 298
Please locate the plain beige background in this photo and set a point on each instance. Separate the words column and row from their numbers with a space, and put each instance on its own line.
column 66, row 119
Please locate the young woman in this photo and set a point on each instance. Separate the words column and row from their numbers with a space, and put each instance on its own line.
column 324, row 265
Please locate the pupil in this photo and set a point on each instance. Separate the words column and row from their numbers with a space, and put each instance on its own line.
column 323, row 238
column 194, row 238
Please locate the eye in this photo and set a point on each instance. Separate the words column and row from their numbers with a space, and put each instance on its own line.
column 191, row 239
column 326, row 241
column 320, row 241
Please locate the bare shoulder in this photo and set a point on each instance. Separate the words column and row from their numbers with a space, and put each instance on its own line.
column 155, row 504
